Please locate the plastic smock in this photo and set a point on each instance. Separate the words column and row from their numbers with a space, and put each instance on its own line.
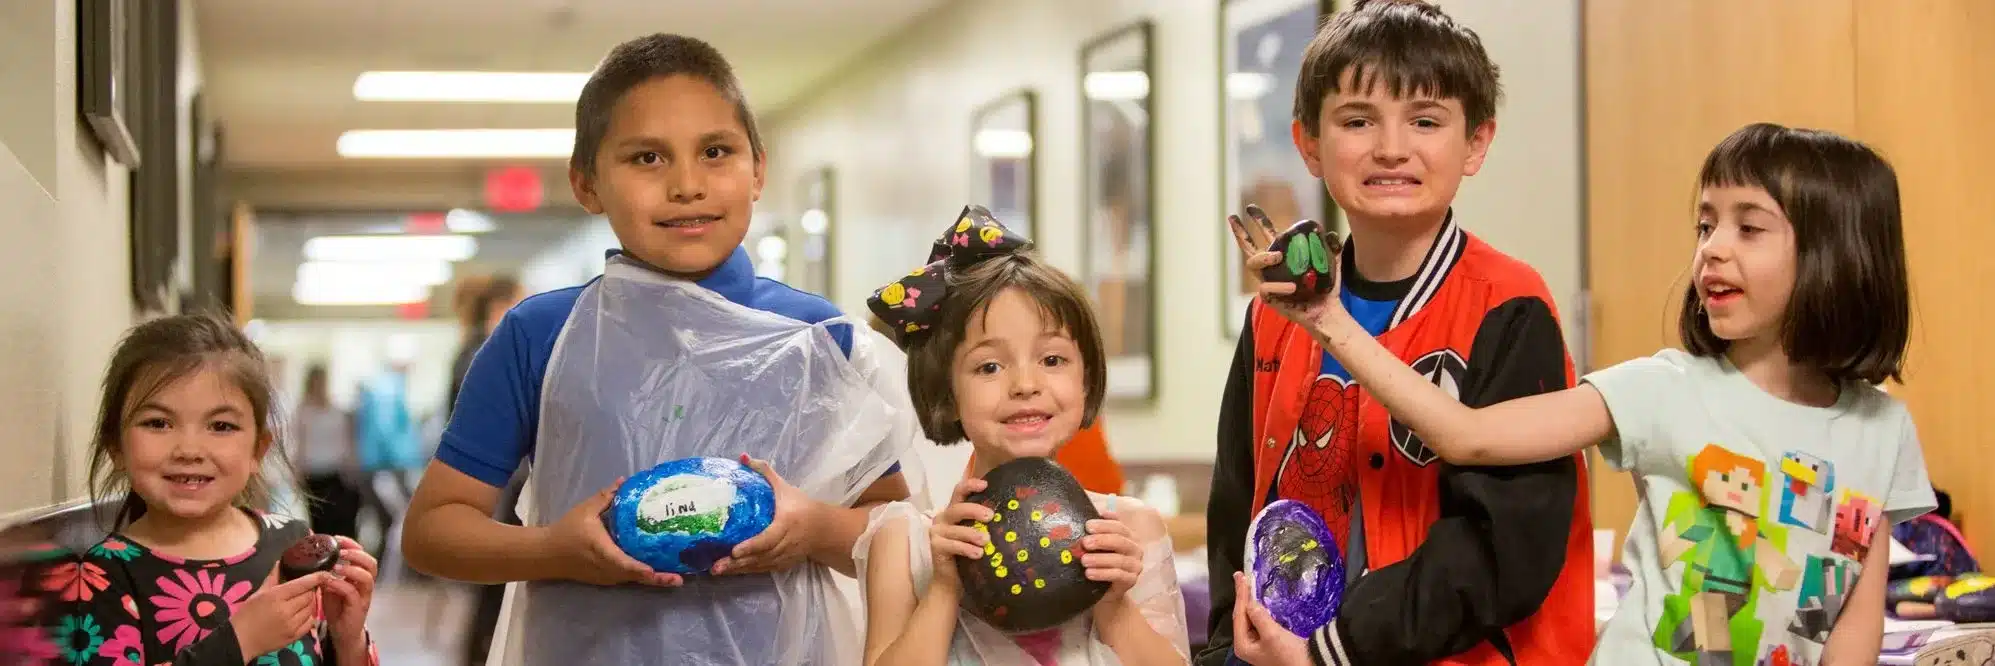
column 651, row 368
column 1074, row 643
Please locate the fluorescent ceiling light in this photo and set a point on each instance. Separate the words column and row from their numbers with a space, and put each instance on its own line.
column 355, row 293
column 365, row 249
column 521, row 87
column 422, row 272
column 458, row 143
column 461, row 221
column 1111, row 86
column 1001, row 143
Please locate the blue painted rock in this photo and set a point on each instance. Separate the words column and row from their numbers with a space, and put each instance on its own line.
column 1030, row 577
column 1307, row 259
column 1969, row 600
column 683, row 515
column 1295, row 566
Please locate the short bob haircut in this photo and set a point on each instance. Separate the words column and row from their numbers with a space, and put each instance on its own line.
column 1409, row 46
column 1850, row 314
column 931, row 357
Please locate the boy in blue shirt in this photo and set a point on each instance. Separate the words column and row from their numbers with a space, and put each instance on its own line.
column 667, row 149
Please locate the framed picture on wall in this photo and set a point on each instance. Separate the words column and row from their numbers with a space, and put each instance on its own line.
column 105, row 59
column 1261, row 44
column 1003, row 174
column 1119, row 238
column 813, row 232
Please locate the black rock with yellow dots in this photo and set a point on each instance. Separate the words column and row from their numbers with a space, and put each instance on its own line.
column 1031, row 577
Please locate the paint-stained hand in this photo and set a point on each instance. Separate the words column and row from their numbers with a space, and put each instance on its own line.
column 1257, row 638
column 790, row 535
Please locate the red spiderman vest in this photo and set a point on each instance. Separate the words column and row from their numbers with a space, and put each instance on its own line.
column 1433, row 331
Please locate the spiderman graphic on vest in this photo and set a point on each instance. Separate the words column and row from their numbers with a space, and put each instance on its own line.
column 1317, row 469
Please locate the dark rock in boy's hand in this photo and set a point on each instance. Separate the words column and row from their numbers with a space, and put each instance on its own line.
column 1309, row 254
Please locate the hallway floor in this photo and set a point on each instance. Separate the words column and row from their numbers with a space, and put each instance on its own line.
column 420, row 624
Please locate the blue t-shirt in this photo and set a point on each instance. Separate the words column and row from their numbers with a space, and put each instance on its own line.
column 497, row 416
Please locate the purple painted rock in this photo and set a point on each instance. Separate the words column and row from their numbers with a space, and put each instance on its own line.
column 1295, row 566
column 310, row 555
column 1307, row 252
column 1030, row 576
column 1969, row 600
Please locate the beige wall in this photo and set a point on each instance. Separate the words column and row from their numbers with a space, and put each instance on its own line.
column 64, row 257
column 897, row 130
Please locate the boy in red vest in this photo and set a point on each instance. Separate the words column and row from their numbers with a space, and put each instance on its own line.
column 1394, row 105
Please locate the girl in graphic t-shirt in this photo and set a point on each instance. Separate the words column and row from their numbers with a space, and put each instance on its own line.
column 1770, row 464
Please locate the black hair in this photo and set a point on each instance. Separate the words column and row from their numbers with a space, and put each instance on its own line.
column 640, row 60
column 1410, row 46
column 1850, row 313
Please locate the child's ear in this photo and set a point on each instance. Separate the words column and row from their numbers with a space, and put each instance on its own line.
column 584, row 188
column 263, row 441
column 1479, row 146
column 761, row 175
column 1306, row 144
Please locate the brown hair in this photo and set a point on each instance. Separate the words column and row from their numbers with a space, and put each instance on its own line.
column 492, row 292
column 1410, row 46
column 1850, row 313
column 931, row 358
column 153, row 355
column 637, row 61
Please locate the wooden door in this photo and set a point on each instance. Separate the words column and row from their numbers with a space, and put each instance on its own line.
column 1665, row 81
column 1926, row 78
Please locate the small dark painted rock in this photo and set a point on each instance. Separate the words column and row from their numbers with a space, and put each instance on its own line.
column 1295, row 566
column 1030, row 577
column 1969, row 600
column 310, row 555
column 1308, row 254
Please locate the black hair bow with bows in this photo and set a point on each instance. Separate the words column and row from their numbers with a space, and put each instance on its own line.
column 912, row 304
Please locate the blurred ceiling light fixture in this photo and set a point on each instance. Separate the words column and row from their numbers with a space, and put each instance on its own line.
column 458, row 143
column 358, row 293
column 375, row 249
column 503, row 87
column 1003, row 143
column 423, row 272
column 461, row 221
column 1113, row 86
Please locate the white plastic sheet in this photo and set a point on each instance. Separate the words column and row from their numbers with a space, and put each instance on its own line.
column 650, row 369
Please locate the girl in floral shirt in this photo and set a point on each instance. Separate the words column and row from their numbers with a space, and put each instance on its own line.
column 188, row 575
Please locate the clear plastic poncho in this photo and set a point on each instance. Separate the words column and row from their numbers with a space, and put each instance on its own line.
column 650, row 368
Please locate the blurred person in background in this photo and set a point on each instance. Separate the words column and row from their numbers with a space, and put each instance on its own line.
column 325, row 452
column 480, row 312
column 387, row 438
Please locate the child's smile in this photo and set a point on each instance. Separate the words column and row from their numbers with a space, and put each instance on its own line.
column 1019, row 384
column 192, row 446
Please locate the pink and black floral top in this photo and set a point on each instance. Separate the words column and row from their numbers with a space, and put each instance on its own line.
column 127, row 605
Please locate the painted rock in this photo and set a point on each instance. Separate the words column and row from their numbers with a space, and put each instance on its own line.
column 683, row 515
column 1295, row 566
column 1030, row 577
column 309, row 555
column 1917, row 589
column 1970, row 599
column 1307, row 254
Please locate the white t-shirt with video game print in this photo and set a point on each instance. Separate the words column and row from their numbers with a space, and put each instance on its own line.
column 1756, row 513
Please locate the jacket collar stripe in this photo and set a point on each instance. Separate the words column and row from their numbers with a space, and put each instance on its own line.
column 1440, row 261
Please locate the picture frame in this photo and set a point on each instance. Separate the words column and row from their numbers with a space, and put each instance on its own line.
column 1119, row 251
column 1261, row 45
column 816, row 223
column 1004, row 172
column 154, row 112
column 106, row 59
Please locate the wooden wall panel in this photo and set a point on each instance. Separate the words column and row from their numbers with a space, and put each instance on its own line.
column 1926, row 82
column 1665, row 81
